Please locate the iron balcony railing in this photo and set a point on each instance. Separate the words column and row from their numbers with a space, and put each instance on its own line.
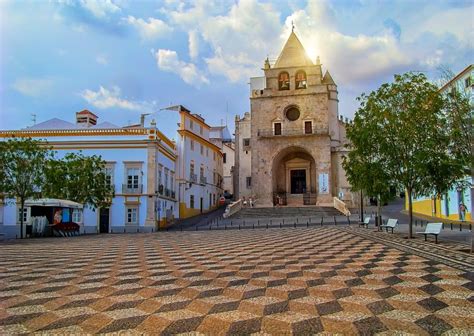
column 203, row 179
column 167, row 192
column 193, row 177
column 293, row 131
column 132, row 188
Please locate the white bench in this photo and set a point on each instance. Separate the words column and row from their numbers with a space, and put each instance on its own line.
column 365, row 222
column 432, row 229
column 391, row 224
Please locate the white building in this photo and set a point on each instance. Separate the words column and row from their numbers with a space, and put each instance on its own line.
column 141, row 162
column 220, row 136
column 200, row 165
column 243, row 157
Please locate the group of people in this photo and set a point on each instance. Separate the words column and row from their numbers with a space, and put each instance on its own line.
column 248, row 202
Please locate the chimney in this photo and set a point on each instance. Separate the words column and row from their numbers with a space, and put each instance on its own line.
column 142, row 119
column 86, row 118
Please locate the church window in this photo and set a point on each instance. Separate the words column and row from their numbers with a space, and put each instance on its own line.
column 292, row 113
column 246, row 142
column 308, row 127
column 300, row 80
column 248, row 181
column 277, row 128
column 284, row 81
column 192, row 145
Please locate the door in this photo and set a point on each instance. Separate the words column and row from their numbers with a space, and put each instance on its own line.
column 277, row 128
column 298, row 181
column 200, row 205
column 104, row 220
column 308, row 129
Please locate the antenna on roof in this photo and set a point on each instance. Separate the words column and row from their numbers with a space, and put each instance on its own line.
column 33, row 118
column 292, row 26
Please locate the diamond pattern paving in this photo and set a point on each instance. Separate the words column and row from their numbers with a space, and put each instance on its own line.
column 278, row 281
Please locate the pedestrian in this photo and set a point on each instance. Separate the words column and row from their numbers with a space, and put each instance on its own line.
column 251, row 202
column 244, row 201
column 462, row 211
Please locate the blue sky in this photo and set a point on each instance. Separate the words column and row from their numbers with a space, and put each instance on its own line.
column 120, row 58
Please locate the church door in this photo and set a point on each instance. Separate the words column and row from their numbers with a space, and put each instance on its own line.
column 298, row 181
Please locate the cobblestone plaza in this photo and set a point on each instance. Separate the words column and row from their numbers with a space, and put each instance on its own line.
column 276, row 281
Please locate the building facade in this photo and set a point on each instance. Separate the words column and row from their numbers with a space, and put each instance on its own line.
column 293, row 137
column 141, row 164
column 448, row 206
column 200, row 166
column 220, row 136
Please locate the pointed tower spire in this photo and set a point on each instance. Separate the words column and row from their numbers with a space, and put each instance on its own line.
column 293, row 54
column 327, row 79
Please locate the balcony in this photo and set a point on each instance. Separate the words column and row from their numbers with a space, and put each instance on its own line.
column 292, row 132
column 133, row 189
column 173, row 195
column 202, row 179
column 167, row 192
column 193, row 178
column 160, row 189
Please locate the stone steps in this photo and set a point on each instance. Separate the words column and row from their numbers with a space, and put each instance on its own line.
column 286, row 212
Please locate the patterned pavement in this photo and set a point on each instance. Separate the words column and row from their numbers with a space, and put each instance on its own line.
column 278, row 281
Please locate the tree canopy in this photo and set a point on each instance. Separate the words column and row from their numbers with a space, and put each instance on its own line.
column 403, row 134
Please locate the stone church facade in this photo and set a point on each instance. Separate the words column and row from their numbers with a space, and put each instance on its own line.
column 296, row 138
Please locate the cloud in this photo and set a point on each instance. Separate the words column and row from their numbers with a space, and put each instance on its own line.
column 33, row 87
column 168, row 60
column 102, row 59
column 99, row 8
column 193, row 44
column 105, row 98
column 151, row 29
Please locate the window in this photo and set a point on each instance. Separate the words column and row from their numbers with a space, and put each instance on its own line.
column 132, row 215
column 214, row 156
column 308, row 127
column 201, row 172
column 246, row 142
column 284, row 81
column 202, row 149
column 25, row 215
column 109, row 176
column 166, row 178
column 224, row 158
column 277, row 128
column 192, row 145
column 200, row 129
column 191, row 201
column 132, row 178
column 207, row 152
column 191, row 168
column 248, row 181
column 467, row 82
column 191, row 124
column 300, row 80
column 172, row 181
column 76, row 216
column 160, row 181
column 292, row 113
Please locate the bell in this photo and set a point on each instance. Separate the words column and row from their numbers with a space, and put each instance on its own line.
column 284, row 85
column 301, row 85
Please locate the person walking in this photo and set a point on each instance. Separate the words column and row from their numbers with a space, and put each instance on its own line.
column 462, row 212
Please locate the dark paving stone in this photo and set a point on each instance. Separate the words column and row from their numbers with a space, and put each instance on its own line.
column 370, row 326
column 379, row 307
column 469, row 285
column 385, row 293
column 16, row 319
column 362, row 273
column 431, row 289
column 400, row 264
column 397, row 271
column 432, row 304
column 125, row 305
column 434, row 325
column 468, row 276
column 328, row 308
column 393, row 280
column 33, row 302
column 430, row 278
column 343, row 292
column 66, row 322
column 123, row 324
column 79, row 303
column 354, row 282
column 431, row 269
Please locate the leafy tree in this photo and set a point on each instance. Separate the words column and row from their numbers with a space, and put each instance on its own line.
column 21, row 169
column 78, row 178
column 405, row 125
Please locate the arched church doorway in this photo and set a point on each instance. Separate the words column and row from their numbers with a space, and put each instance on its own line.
column 294, row 177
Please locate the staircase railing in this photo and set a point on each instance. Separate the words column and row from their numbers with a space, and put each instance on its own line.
column 341, row 206
column 232, row 208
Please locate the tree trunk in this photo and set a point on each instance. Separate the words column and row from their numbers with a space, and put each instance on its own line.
column 379, row 213
column 22, row 206
column 361, row 206
column 472, row 209
column 410, row 213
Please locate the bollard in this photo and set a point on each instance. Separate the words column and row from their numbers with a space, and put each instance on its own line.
column 348, row 221
column 470, row 226
column 460, row 226
column 334, row 220
column 307, row 224
column 267, row 225
column 451, row 225
column 239, row 225
column 322, row 218
column 280, row 225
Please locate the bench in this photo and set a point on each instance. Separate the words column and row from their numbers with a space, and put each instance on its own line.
column 365, row 222
column 391, row 224
column 432, row 229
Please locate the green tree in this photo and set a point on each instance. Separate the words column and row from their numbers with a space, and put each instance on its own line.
column 22, row 163
column 79, row 178
column 406, row 122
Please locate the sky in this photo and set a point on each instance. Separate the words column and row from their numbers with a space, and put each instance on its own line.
column 121, row 58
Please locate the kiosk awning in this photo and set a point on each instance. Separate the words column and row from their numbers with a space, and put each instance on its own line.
column 53, row 202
